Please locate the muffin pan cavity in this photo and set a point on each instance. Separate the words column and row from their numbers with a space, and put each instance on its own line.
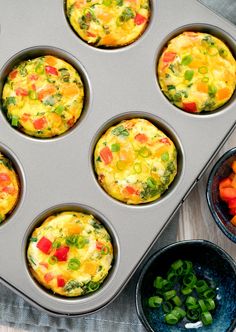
column 60, row 170
column 196, row 69
column 32, row 74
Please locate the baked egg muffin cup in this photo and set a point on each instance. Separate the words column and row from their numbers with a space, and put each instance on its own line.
column 58, row 174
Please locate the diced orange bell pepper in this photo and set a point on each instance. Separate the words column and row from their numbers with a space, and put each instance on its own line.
column 233, row 220
column 233, row 166
column 227, row 193
column 225, row 183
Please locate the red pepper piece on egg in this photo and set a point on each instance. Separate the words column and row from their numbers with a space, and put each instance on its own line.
column 4, row 178
column 106, row 155
column 60, row 281
column 139, row 19
column 39, row 123
column 169, row 56
column 225, row 183
column 232, row 203
column 99, row 245
column 45, row 245
column 142, row 138
column 13, row 74
column 61, row 254
column 131, row 190
column 9, row 190
column 21, row 92
column 48, row 277
column 165, row 140
column 227, row 194
column 190, row 107
column 51, row 70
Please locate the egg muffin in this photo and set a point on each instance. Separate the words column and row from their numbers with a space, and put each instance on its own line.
column 70, row 253
column 9, row 187
column 108, row 23
column 197, row 72
column 135, row 161
column 43, row 97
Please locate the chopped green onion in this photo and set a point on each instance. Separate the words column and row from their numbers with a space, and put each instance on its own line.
column 177, row 301
column 177, row 314
column 137, row 168
column 209, row 294
column 177, row 264
column 59, row 109
column 203, row 70
column 167, row 285
column 181, row 312
column 189, row 280
column 210, row 304
column 201, row 286
column 73, row 264
column 186, row 60
column 169, row 294
column 15, row 120
column 202, row 305
column 155, row 301
column 52, row 260
column 115, row 147
column 33, row 95
column 206, row 318
column 188, row 75
column 172, row 277
column 191, row 302
column 167, row 307
column 171, row 319
column 193, row 315
column 158, row 282
column 144, row 152
column 187, row 267
column 212, row 90
column 165, row 156
column 186, row 290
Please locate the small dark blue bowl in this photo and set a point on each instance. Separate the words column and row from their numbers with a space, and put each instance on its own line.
column 218, row 208
column 210, row 263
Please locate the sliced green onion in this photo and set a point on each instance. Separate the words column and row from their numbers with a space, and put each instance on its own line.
column 191, row 302
column 59, row 109
column 137, row 168
column 186, row 60
column 181, row 312
column 177, row 264
column 73, row 264
column 144, row 152
column 158, row 282
column 188, row 75
column 167, row 285
column 167, row 307
column 209, row 294
column 210, row 304
column 33, row 95
column 15, row 120
column 115, row 147
column 186, row 290
column 177, row 301
column 203, row 70
column 155, row 301
column 171, row 319
column 172, row 277
column 169, row 294
column 176, row 313
column 189, row 280
column 202, row 305
column 201, row 286
column 206, row 318
column 193, row 315
column 52, row 260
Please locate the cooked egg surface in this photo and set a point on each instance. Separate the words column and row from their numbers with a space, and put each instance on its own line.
column 108, row 23
column 70, row 253
column 9, row 187
column 197, row 72
column 43, row 97
column 135, row 161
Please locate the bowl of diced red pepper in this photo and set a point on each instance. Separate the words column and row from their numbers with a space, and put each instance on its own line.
column 221, row 193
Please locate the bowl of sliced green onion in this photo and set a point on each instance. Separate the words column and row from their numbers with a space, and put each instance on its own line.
column 186, row 286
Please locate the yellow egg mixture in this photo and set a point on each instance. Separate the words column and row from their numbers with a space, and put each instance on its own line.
column 70, row 253
column 135, row 161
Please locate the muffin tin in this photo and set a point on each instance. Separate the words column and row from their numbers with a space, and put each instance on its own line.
column 57, row 174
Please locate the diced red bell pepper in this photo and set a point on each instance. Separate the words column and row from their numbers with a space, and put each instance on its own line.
column 225, row 183
column 139, row 19
column 232, row 211
column 4, row 178
column 48, row 277
column 9, row 190
column 232, row 203
column 90, row 34
column 60, row 281
column 106, row 155
column 51, row 70
column 13, row 74
column 40, row 123
column 21, row 92
column 227, row 194
column 142, row 138
column 165, row 140
column 33, row 87
column 61, row 254
column 169, row 56
column 99, row 245
column 131, row 190
column 25, row 117
column 190, row 107
column 71, row 121
column 33, row 77
column 45, row 245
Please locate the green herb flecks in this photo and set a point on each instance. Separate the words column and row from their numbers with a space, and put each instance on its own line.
column 120, row 131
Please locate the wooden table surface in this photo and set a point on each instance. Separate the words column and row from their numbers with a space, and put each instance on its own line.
column 195, row 220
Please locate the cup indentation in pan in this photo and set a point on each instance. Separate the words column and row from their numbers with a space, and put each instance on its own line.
column 203, row 28
column 37, row 51
column 77, row 208
column 166, row 129
column 21, row 178
column 152, row 6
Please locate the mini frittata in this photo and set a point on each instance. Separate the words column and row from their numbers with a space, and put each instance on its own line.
column 197, row 72
column 70, row 253
column 9, row 187
column 108, row 23
column 43, row 97
column 135, row 161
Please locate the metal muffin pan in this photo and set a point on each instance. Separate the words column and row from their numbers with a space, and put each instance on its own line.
column 57, row 174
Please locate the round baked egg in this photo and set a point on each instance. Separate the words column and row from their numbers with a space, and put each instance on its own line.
column 108, row 23
column 43, row 97
column 135, row 162
column 71, row 253
column 9, row 187
column 197, row 72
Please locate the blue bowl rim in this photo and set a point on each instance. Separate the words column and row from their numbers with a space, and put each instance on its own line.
column 221, row 160
column 152, row 258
